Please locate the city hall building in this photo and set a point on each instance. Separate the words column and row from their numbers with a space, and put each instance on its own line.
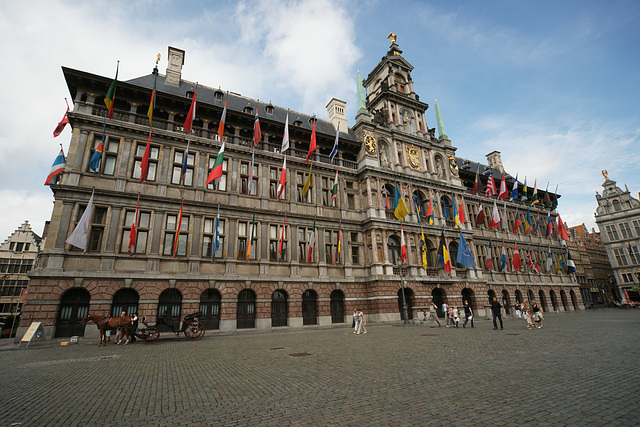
column 271, row 280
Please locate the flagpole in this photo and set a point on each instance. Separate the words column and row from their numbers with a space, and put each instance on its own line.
column 405, row 310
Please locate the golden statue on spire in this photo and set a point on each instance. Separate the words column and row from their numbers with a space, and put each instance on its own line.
column 604, row 173
column 393, row 37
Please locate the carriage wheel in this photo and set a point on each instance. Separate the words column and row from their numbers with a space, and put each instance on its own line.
column 150, row 335
column 194, row 331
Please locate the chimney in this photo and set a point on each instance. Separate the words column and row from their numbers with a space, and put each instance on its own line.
column 337, row 114
column 495, row 161
column 174, row 67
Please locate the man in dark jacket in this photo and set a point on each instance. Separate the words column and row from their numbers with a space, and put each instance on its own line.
column 496, row 309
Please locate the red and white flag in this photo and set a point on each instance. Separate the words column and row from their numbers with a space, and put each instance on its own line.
column 403, row 246
column 491, row 187
column 134, row 230
column 223, row 118
column 517, row 262
column 191, row 115
column 257, row 133
column 284, row 225
column 480, row 217
column 495, row 216
column 283, row 177
column 312, row 144
column 58, row 130
column 562, row 229
column 503, row 189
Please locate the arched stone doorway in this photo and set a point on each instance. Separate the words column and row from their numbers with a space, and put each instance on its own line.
column 279, row 308
column 74, row 306
column 518, row 296
column 467, row 295
column 554, row 301
column 532, row 297
column 124, row 300
column 563, row 299
column 170, row 303
column 438, row 296
column 408, row 297
column 337, row 306
column 506, row 302
column 246, row 309
column 574, row 299
column 210, row 308
column 309, row 307
column 543, row 301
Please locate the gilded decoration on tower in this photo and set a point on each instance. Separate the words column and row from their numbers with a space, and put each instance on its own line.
column 605, row 174
column 453, row 165
column 370, row 144
column 413, row 157
column 392, row 37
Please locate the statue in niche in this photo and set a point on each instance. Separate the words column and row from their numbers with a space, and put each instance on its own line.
column 453, row 165
column 440, row 167
column 384, row 156
column 381, row 116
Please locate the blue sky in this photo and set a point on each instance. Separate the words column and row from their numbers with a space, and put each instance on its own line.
column 553, row 86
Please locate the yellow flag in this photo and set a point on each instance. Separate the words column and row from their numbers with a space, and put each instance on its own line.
column 305, row 188
column 423, row 248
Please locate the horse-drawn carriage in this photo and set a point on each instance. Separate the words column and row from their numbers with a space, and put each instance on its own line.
column 191, row 327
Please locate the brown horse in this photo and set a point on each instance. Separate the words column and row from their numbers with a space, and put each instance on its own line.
column 105, row 324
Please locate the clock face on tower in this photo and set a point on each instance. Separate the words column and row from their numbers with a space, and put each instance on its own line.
column 370, row 144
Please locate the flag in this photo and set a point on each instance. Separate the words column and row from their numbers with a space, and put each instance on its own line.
column 312, row 144
column 400, row 209
column 504, row 261
column 94, row 163
column 537, row 223
column 529, row 260
column 216, row 172
column 252, row 232
column 505, row 223
column 456, row 219
column 527, row 223
column 560, row 265
column 461, row 217
column 480, row 217
column 177, row 240
column 514, row 191
column 549, row 225
column 423, row 249
column 250, row 183
column 534, row 196
column 491, row 187
column 570, row 265
column 562, row 229
column 549, row 261
column 312, row 242
column 403, row 246
column 144, row 164
column 524, row 190
column 284, row 225
column 216, row 240
column 418, row 205
column 191, row 115
column 386, row 196
column 517, row 262
column 223, row 118
column 537, row 268
column 56, row 168
column 445, row 214
column 285, row 136
column 547, row 199
column 489, row 263
column 476, row 184
column 430, row 210
column 257, row 133
column 80, row 234
column 334, row 189
column 443, row 255
column 134, row 232
column 517, row 223
column 307, row 183
column 465, row 257
column 110, row 97
column 339, row 247
column 58, row 130
column 495, row 216
column 554, row 203
column 283, row 177
column 334, row 150
column 152, row 102
column 184, row 163
column 503, row 189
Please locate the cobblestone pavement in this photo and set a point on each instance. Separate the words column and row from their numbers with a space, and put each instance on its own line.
column 579, row 369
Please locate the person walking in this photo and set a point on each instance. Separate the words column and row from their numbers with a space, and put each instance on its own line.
column 527, row 315
column 134, row 326
column 355, row 321
column 433, row 313
column 446, row 314
column 496, row 309
column 468, row 313
column 450, row 317
column 361, row 323
column 537, row 314
column 518, row 311
column 456, row 316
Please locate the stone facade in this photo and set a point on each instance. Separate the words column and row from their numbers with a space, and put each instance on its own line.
column 390, row 144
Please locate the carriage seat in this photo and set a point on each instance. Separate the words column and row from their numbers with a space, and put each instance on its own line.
column 192, row 316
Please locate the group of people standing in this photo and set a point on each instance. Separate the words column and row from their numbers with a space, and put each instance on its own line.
column 452, row 314
column 530, row 314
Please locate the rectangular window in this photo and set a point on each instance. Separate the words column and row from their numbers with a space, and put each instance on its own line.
column 326, row 184
column 209, row 235
column 12, row 245
column 170, row 229
column 625, row 230
column 98, row 223
column 611, row 232
column 330, row 246
column 356, row 248
column 176, row 174
column 109, row 154
column 274, row 179
column 636, row 226
column 634, row 255
column 153, row 161
column 275, row 232
column 303, row 242
column 19, row 246
column 142, row 231
column 222, row 185
column 301, row 179
column 244, row 178
column 244, row 229
column 620, row 257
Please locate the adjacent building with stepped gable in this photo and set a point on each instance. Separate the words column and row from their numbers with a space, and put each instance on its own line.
column 356, row 259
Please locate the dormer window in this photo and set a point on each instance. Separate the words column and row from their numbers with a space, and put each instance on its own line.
column 248, row 110
column 269, row 109
column 190, row 94
column 297, row 123
column 219, row 95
